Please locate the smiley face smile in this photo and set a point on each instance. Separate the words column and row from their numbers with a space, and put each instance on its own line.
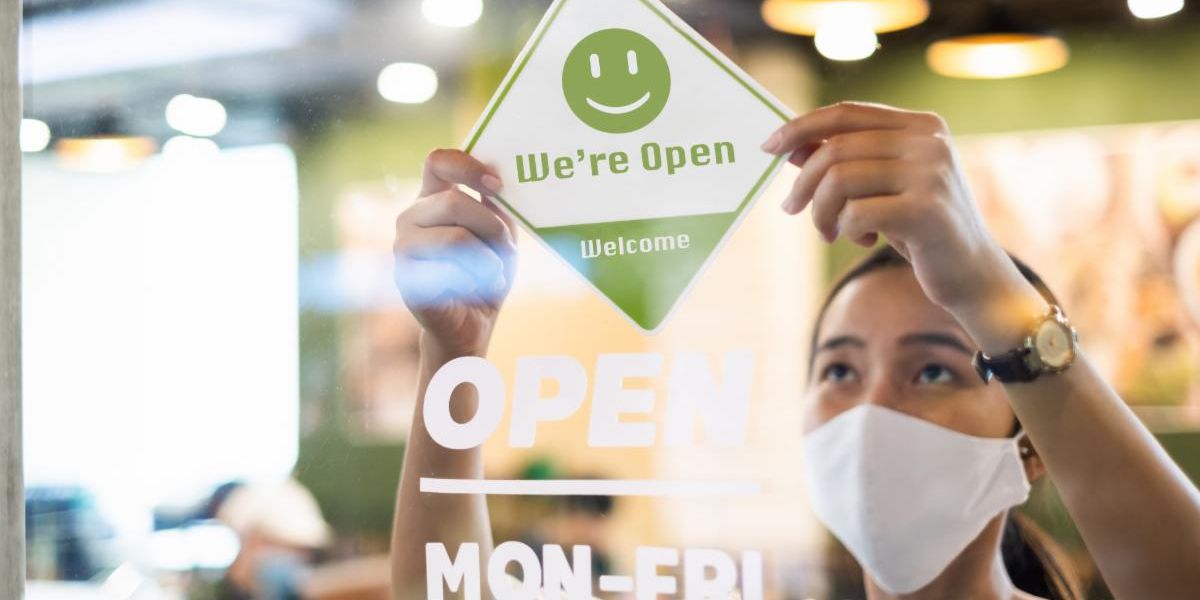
column 619, row 110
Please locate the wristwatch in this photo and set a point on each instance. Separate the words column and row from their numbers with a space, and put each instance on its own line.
column 1050, row 347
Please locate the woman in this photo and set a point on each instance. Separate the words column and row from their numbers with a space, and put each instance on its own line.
column 892, row 361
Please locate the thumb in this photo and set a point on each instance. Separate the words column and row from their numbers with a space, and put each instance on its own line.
column 508, row 222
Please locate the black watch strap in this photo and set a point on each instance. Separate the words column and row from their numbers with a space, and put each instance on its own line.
column 1008, row 367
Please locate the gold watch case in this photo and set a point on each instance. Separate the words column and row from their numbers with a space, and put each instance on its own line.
column 1053, row 343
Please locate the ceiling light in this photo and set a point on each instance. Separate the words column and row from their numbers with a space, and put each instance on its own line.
column 35, row 135
column 998, row 47
column 195, row 116
column 846, row 40
column 997, row 55
column 1154, row 9
column 407, row 83
column 105, row 150
column 103, row 154
column 806, row 17
column 452, row 13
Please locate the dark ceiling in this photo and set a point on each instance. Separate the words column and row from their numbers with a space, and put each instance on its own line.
column 337, row 60
column 955, row 15
column 1055, row 13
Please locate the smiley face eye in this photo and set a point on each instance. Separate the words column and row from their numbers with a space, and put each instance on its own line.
column 595, row 60
column 630, row 57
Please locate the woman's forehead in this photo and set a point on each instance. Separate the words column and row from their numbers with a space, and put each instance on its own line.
column 885, row 305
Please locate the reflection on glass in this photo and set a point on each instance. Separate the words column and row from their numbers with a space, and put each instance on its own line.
column 222, row 375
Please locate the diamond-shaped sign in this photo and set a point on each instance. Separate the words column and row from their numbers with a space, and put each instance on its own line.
column 629, row 146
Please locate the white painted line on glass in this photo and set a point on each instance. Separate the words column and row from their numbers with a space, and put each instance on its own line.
column 615, row 583
column 589, row 487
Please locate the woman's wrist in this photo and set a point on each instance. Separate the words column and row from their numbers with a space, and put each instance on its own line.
column 1000, row 316
column 435, row 352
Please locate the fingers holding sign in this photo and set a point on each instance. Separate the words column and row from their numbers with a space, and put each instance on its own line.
column 446, row 168
column 869, row 170
column 455, row 256
column 855, row 151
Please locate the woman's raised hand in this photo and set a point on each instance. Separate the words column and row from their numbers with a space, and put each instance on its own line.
column 455, row 256
column 870, row 170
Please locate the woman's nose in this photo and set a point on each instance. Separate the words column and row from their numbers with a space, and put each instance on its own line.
column 880, row 391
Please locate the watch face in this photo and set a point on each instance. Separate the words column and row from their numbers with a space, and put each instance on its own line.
column 1053, row 343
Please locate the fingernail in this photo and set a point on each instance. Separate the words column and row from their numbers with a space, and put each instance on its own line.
column 492, row 183
column 772, row 144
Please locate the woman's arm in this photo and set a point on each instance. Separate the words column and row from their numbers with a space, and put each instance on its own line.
column 870, row 170
column 455, row 262
column 1136, row 510
column 450, row 519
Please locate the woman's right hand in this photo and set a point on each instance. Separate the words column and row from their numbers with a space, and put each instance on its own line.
column 455, row 256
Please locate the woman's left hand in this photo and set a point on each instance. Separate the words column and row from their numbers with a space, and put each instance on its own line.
column 869, row 170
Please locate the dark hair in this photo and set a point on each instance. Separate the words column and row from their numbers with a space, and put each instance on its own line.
column 886, row 256
column 1034, row 561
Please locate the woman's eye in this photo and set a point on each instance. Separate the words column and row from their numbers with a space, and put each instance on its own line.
column 935, row 373
column 837, row 372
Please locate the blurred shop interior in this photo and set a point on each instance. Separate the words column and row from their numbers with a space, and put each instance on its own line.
column 220, row 375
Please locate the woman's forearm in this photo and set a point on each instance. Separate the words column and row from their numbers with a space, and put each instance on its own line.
column 422, row 518
column 1136, row 510
column 1138, row 513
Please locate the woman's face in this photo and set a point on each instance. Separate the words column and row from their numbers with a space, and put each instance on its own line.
column 883, row 342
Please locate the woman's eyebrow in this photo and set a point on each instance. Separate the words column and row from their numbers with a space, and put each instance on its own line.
column 937, row 339
column 841, row 340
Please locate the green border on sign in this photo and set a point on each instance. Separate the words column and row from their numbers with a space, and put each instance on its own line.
column 538, row 40
column 641, row 303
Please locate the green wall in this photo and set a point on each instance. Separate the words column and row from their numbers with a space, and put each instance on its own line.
column 1137, row 74
column 354, row 482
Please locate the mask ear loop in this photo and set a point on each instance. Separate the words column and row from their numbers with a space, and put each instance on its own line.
column 1025, row 450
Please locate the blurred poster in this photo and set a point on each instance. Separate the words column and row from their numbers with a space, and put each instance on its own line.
column 1111, row 218
column 378, row 336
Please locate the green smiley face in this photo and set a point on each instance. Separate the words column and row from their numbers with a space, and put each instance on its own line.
column 616, row 80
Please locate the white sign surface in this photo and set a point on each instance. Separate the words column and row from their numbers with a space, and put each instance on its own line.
column 629, row 146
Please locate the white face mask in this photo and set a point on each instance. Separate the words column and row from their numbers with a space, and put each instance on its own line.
column 906, row 496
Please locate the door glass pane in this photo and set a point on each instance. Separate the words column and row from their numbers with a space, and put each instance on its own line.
column 259, row 283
